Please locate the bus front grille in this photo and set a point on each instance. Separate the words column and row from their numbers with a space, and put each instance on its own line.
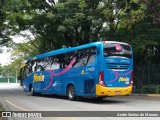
column 88, row 86
column 117, row 66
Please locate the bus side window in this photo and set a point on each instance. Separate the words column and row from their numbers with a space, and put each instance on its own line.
column 33, row 66
column 68, row 57
column 47, row 63
column 81, row 62
column 91, row 60
column 30, row 68
column 39, row 66
column 92, row 56
column 55, row 64
column 26, row 71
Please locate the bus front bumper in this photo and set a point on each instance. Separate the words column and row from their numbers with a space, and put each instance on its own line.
column 112, row 91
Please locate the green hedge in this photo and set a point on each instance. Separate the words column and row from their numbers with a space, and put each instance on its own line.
column 148, row 89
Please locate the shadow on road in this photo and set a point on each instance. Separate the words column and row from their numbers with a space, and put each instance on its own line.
column 109, row 100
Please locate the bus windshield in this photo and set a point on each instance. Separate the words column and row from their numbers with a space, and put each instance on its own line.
column 117, row 49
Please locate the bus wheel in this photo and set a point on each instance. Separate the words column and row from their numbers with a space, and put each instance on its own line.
column 32, row 91
column 71, row 93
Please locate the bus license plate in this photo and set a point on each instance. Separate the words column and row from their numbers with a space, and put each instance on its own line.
column 117, row 92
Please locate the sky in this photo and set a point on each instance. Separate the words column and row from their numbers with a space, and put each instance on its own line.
column 5, row 57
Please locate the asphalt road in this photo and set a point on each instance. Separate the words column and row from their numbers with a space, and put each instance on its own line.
column 13, row 98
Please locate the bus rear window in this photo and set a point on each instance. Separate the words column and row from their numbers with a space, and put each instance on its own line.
column 116, row 49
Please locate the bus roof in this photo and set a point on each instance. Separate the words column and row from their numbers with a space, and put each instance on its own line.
column 115, row 42
column 64, row 50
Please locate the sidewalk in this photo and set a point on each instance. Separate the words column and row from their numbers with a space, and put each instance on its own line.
column 8, row 85
column 149, row 95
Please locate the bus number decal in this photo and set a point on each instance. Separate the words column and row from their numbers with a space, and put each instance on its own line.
column 90, row 69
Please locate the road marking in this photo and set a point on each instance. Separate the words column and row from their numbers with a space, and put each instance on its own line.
column 64, row 118
column 23, row 109
column 17, row 106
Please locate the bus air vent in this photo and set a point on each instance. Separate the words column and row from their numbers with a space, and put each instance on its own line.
column 117, row 66
column 88, row 86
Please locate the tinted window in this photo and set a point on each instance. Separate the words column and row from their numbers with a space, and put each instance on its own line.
column 82, row 57
column 50, row 63
column 26, row 71
column 92, row 56
column 116, row 49
column 91, row 59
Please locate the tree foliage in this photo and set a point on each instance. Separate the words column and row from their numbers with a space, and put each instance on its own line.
column 55, row 24
column 4, row 28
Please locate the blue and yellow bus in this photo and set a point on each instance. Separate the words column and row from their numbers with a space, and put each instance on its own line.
column 98, row 69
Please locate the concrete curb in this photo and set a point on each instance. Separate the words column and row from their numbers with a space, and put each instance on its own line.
column 4, row 104
column 149, row 95
column 5, row 108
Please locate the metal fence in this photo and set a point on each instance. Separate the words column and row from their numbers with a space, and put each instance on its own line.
column 8, row 80
column 147, row 77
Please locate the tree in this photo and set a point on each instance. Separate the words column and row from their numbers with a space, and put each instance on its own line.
column 23, row 51
column 71, row 22
column 4, row 28
column 146, row 34
column 67, row 23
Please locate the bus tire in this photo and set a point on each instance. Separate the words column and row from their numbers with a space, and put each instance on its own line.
column 32, row 91
column 71, row 93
